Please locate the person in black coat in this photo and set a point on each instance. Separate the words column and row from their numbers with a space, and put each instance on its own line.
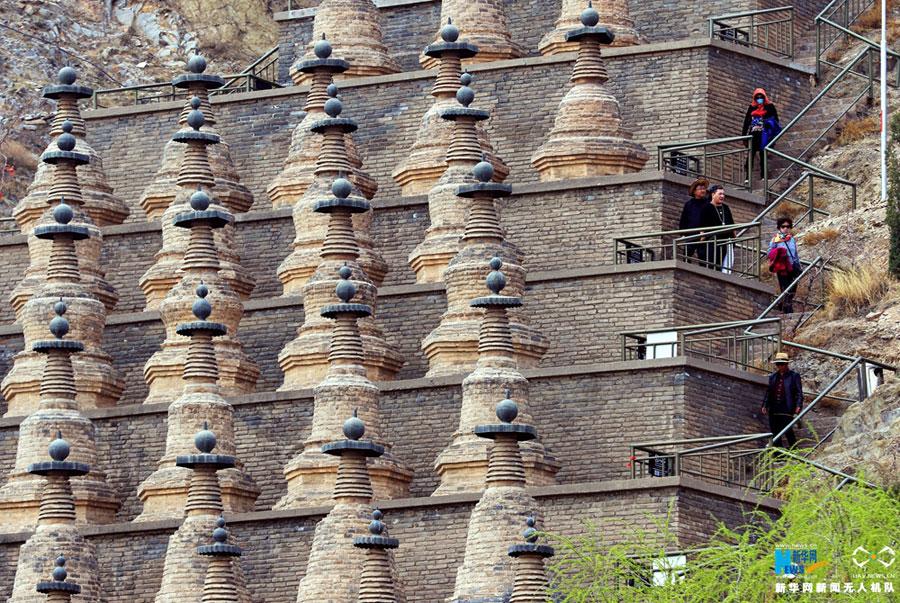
column 784, row 399
column 691, row 217
column 716, row 214
column 761, row 122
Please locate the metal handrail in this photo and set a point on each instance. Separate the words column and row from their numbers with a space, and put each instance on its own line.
column 824, row 18
column 667, row 158
column 753, row 27
column 719, row 442
column 810, row 266
column 246, row 81
column 675, row 244
column 770, row 150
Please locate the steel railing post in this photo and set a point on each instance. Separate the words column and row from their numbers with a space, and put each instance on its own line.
column 811, row 195
column 818, row 50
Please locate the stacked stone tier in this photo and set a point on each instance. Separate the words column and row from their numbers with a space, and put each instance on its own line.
column 669, row 92
column 276, row 544
column 405, row 35
column 638, row 400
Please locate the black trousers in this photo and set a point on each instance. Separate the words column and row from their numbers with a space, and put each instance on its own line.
column 777, row 422
column 785, row 281
column 756, row 153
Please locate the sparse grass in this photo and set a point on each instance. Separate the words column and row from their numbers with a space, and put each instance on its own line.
column 871, row 19
column 824, row 235
column 854, row 290
column 857, row 129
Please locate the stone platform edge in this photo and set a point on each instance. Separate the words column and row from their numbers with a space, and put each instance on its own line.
column 682, row 482
column 387, row 203
column 546, row 276
column 568, row 57
column 687, row 362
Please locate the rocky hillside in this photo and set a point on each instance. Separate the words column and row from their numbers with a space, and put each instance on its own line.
column 868, row 322
column 112, row 43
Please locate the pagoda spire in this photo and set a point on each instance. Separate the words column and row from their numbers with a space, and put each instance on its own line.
column 201, row 217
column 426, row 162
column 463, row 464
column 184, row 168
column 56, row 532
column 165, row 491
column 487, row 573
column 588, row 137
column 612, row 14
column 60, row 378
column 335, row 567
column 486, row 25
column 92, row 197
column 356, row 31
column 452, row 347
column 183, row 577
column 304, row 360
column 297, row 174
column 346, row 387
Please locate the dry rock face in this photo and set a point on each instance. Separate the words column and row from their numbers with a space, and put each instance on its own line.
column 867, row 439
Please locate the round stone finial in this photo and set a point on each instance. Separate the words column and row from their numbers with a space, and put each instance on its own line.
column 205, row 440
column 220, row 534
column 66, row 142
column 376, row 527
column 449, row 32
column 59, row 572
column 59, row 326
column 201, row 307
column 466, row 78
column 345, row 289
column 195, row 118
column 67, row 76
column 507, row 410
column 322, row 48
column 483, row 171
column 59, row 448
column 63, row 213
column 341, row 188
column 465, row 95
column 354, row 428
column 589, row 16
column 196, row 64
column 333, row 106
column 496, row 280
column 530, row 534
column 200, row 200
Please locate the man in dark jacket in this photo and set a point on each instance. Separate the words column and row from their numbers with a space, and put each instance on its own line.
column 692, row 217
column 784, row 399
column 715, row 215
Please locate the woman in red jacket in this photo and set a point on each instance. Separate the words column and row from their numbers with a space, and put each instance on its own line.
column 761, row 122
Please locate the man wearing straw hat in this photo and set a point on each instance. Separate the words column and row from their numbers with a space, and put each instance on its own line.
column 784, row 399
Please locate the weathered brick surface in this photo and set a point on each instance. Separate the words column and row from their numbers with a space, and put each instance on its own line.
column 522, row 99
column 276, row 549
column 409, row 28
column 581, row 221
column 611, row 409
